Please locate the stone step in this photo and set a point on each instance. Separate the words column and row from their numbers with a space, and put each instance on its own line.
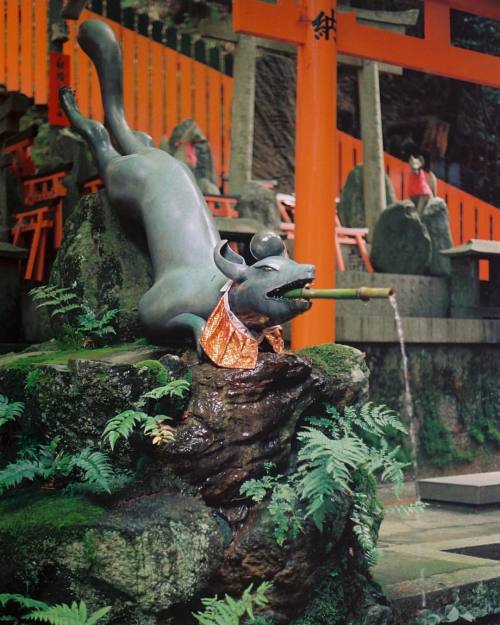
column 472, row 489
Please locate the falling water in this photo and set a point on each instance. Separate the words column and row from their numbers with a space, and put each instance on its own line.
column 408, row 400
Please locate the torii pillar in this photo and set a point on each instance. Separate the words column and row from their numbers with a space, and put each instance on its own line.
column 311, row 25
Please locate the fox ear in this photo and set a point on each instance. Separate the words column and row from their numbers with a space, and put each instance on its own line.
column 232, row 265
column 422, row 160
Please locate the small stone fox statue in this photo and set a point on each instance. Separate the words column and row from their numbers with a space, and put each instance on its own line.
column 419, row 189
column 191, row 264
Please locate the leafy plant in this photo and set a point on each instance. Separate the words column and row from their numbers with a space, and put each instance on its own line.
column 81, row 324
column 49, row 464
column 59, row 614
column 9, row 411
column 332, row 457
column 229, row 611
column 123, row 424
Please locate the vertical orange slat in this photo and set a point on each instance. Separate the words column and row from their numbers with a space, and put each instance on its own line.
column 454, row 212
column 27, row 47
column 172, row 98
column 12, row 45
column 82, row 83
column 142, row 84
column 468, row 219
column 128, row 52
column 157, row 92
column 41, row 52
column 3, row 43
column 227, row 84
column 215, row 120
column 200, row 96
column 186, row 84
column 483, row 220
column 496, row 225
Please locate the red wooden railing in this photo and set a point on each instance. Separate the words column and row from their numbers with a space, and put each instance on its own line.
column 470, row 217
column 162, row 87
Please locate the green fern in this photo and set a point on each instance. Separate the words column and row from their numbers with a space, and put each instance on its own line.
column 96, row 468
column 90, row 325
column 9, row 411
column 327, row 463
column 174, row 388
column 22, row 601
column 229, row 611
column 63, row 614
column 122, row 425
column 16, row 472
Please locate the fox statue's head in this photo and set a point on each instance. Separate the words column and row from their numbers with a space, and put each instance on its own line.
column 256, row 296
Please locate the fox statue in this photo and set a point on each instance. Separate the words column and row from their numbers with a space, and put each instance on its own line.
column 200, row 283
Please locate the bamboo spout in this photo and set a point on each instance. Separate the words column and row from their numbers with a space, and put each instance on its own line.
column 363, row 293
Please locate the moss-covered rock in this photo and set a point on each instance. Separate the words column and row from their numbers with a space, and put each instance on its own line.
column 343, row 372
column 142, row 557
column 101, row 264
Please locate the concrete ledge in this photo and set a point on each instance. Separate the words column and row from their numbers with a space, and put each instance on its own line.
column 355, row 329
column 473, row 489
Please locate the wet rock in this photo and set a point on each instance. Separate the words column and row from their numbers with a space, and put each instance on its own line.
column 351, row 208
column 293, row 568
column 257, row 202
column 101, row 264
column 437, row 221
column 401, row 243
column 143, row 556
column 238, row 419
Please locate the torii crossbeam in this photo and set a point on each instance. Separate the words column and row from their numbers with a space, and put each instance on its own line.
column 320, row 31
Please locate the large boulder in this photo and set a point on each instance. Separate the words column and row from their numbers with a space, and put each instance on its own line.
column 351, row 208
column 401, row 243
column 436, row 219
column 103, row 263
column 143, row 556
column 257, row 202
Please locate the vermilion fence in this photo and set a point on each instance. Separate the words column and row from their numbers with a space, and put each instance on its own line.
column 470, row 217
column 24, row 47
column 161, row 88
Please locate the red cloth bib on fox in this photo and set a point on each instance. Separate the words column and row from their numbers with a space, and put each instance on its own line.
column 229, row 343
column 418, row 185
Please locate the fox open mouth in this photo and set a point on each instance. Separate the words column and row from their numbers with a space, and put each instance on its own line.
column 297, row 284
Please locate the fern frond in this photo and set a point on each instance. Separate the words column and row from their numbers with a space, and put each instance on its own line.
column 175, row 388
column 62, row 310
column 96, row 468
column 9, row 411
column 21, row 600
column 229, row 611
column 63, row 614
column 158, row 430
column 14, row 473
column 121, row 425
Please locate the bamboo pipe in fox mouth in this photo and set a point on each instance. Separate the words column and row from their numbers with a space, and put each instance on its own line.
column 363, row 293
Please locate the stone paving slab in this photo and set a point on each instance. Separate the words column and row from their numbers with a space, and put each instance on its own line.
column 415, row 566
column 473, row 489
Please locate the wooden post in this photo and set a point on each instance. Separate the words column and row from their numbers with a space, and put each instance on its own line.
column 242, row 114
column 315, row 181
column 374, row 194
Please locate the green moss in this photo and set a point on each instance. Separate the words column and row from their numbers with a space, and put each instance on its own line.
column 162, row 375
column 27, row 511
column 61, row 357
column 332, row 358
column 436, row 442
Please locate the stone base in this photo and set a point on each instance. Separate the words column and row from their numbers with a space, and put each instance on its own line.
column 476, row 489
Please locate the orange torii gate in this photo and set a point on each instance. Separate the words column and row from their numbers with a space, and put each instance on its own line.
column 320, row 31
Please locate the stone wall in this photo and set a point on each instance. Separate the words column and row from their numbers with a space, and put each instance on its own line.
column 456, row 400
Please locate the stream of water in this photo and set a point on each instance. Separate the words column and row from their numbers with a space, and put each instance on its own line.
column 407, row 399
